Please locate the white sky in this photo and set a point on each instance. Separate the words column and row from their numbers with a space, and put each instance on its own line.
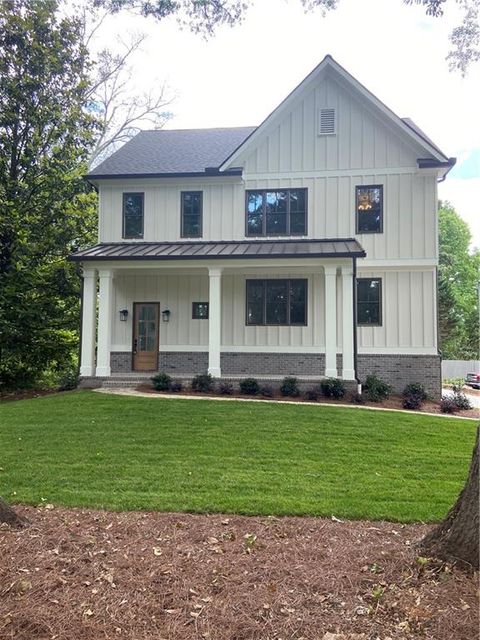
column 240, row 75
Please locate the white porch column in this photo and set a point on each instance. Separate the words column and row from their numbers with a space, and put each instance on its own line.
column 214, row 321
column 104, row 322
column 348, row 371
column 89, row 319
column 330, row 322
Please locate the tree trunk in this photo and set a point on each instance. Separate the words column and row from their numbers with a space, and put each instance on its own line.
column 10, row 517
column 457, row 537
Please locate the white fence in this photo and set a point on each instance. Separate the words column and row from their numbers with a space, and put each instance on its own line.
column 459, row 368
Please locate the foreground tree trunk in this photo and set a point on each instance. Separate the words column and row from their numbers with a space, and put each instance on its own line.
column 457, row 537
column 10, row 517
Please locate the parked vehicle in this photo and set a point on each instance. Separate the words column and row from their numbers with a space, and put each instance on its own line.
column 473, row 380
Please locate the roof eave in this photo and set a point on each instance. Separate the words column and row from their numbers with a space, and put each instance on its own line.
column 179, row 174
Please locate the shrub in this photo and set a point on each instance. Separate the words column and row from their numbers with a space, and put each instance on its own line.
column 333, row 388
column 225, row 389
column 414, row 396
column 448, row 405
column 266, row 391
column 357, row 398
column 250, row 387
column 176, row 386
column 68, row 379
column 290, row 387
column 203, row 383
column 376, row 389
column 312, row 395
column 462, row 401
column 162, row 382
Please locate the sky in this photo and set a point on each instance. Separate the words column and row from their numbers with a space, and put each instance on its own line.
column 238, row 76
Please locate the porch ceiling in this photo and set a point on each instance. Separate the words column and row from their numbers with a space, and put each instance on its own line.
column 326, row 248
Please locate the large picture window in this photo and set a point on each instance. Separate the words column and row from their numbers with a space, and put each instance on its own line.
column 369, row 204
column 277, row 213
column 276, row 302
column 191, row 208
column 369, row 301
column 132, row 215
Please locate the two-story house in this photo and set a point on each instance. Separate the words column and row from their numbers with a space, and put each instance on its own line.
column 305, row 246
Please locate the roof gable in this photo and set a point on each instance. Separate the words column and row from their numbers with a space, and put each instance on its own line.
column 404, row 128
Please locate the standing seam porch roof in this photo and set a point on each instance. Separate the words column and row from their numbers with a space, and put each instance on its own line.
column 328, row 248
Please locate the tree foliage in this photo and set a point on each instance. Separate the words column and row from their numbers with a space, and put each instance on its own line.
column 45, row 208
column 458, row 276
column 204, row 16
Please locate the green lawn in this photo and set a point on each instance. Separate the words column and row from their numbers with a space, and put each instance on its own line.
column 88, row 449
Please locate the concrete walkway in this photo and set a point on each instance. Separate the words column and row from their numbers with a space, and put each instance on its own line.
column 130, row 391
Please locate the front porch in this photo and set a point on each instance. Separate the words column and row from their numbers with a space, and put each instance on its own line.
column 299, row 320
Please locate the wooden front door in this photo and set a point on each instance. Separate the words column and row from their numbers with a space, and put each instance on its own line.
column 145, row 336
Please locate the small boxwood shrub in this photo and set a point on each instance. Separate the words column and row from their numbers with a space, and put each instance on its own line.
column 203, row 383
column 413, row 396
column 333, row 388
column 225, row 388
column 448, row 405
column 462, row 401
column 312, row 395
column 176, row 386
column 376, row 389
column 249, row 387
column 162, row 382
column 266, row 391
column 289, row 387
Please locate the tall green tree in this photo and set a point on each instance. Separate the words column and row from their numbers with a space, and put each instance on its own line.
column 46, row 133
column 458, row 277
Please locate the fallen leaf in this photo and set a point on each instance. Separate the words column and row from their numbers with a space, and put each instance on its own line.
column 157, row 551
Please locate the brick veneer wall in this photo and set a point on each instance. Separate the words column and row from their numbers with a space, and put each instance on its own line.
column 397, row 370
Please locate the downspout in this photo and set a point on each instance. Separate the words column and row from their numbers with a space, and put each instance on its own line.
column 355, row 341
column 81, row 327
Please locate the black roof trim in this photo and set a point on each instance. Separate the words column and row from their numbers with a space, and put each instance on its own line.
column 429, row 163
column 208, row 173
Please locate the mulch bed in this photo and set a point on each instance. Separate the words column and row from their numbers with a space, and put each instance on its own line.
column 393, row 402
column 90, row 575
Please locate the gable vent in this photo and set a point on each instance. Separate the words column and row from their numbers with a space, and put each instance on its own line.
column 326, row 122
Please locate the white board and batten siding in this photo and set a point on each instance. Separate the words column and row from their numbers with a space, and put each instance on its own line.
column 408, row 327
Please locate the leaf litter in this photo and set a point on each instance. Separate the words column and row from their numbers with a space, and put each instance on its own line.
column 78, row 574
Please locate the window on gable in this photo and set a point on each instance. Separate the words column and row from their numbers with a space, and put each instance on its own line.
column 369, row 206
column 277, row 213
column 132, row 215
column 277, row 302
column 369, row 301
column 191, row 214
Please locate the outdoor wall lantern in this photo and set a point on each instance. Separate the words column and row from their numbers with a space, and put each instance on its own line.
column 123, row 315
column 166, row 315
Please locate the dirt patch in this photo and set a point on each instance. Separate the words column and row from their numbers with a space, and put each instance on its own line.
column 393, row 402
column 26, row 394
column 80, row 574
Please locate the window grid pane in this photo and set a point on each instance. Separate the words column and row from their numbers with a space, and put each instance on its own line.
column 369, row 301
column 133, row 215
column 277, row 302
column 191, row 212
column 369, row 205
column 276, row 213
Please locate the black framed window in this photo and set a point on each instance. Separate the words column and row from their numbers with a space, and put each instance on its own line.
column 276, row 302
column 369, row 206
column 132, row 226
column 191, row 213
column 200, row 310
column 276, row 213
column 369, row 301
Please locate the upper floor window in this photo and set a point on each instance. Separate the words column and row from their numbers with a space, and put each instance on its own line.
column 132, row 215
column 369, row 205
column 277, row 302
column 277, row 213
column 369, row 301
column 191, row 212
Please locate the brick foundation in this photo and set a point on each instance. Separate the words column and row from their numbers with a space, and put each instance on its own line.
column 396, row 370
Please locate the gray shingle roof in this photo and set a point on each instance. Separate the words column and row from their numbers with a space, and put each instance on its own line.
column 172, row 152
column 335, row 248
